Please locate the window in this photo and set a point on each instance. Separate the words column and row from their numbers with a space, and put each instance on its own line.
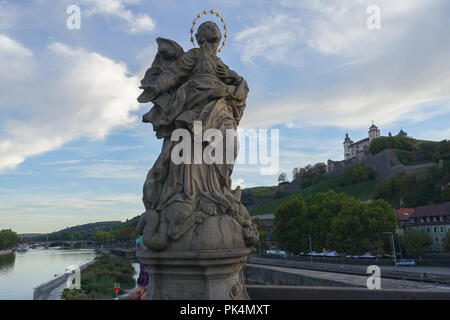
column 428, row 230
column 434, row 230
column 441, row 218
column 421, row 220
column 436, row 240
column 434, row 219
column 428, row 219
column 442, row 229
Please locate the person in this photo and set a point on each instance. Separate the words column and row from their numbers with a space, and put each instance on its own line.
column 140, row 292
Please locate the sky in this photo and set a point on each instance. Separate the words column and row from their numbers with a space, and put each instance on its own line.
column 73, row 149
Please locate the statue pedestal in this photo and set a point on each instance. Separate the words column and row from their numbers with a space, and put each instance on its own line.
column 205, row 264
column 195, row 275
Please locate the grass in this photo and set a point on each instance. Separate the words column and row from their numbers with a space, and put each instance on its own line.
column 361, row 190
column 98, row 279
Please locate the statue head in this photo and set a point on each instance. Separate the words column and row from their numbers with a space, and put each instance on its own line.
column 208, row 32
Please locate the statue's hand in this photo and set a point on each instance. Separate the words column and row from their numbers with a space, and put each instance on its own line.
column 229, row 76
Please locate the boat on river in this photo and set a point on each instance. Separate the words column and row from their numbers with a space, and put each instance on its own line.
column 22, row 248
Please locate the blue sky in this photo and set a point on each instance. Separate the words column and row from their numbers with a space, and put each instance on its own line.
column 73, row 149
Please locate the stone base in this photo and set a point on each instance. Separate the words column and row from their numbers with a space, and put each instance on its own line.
column 196, row 275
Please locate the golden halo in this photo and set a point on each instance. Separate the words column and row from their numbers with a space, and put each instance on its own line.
column 225, row 36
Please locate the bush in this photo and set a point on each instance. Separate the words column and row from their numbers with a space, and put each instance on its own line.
column 397, row 142
column 98, row 279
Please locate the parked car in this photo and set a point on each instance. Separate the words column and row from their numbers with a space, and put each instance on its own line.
column 277, row 252
column 406, row 263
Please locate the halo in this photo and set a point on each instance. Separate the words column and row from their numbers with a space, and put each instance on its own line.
column 212, row 11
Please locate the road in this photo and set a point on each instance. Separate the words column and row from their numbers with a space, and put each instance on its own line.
column 420, row 269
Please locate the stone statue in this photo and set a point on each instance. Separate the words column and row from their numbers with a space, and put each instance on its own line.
column 192, row 215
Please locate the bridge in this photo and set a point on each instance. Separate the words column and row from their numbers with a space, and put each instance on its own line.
column 66, row 243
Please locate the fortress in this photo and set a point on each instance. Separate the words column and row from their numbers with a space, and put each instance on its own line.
column 352, row 149
column 385, row 163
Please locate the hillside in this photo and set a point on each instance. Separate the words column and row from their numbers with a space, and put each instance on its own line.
column 360, row 190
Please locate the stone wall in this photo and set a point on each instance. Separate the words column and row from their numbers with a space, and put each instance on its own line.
column 332, row 293
column 385, row 163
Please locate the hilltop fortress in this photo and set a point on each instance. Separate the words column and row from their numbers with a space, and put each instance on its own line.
column 385, row 162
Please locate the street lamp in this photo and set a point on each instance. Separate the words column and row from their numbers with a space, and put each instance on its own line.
column 310, row 245
column 393, row 246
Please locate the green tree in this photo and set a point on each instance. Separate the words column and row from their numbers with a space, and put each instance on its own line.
column 334, row 221
column 8, row 239
column 416, row 243
column 102, row 237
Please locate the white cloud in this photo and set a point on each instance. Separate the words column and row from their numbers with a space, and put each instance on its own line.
column 16, row 61
column 274, row 39
column 401, row 69
column 116, row 9
column 82, row 94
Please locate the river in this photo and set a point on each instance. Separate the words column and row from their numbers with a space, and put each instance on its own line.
column 21, row 272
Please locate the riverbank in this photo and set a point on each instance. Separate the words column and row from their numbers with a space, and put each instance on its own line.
column 53, row 289
column 3, row 252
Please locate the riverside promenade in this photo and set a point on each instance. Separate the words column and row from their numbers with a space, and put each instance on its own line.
column 3, row 252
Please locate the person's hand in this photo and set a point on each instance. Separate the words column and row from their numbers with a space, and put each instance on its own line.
column 136, row 293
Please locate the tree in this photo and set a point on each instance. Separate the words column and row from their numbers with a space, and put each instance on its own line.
column 282, row 177
column 416, row 243
column 446, row 243
column 334, row 221
column 102, row 237
column 8, row 239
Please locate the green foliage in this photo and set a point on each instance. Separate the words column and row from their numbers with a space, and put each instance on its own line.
column 252, row 196
column 406, row 158
column 396, row 142
column 334, row 221
column 102, row 237
column 361, row 190
column 98, row 279
column 416, row 243
column 8, row 239
column 412, row 190
column 358, row 174
column 309, row 171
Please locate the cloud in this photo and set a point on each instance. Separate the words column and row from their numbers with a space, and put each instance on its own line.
column 272, row 40
column 116, row 9
column 400, row 70
column 74, row 94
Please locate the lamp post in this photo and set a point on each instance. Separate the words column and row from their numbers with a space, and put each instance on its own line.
column 310, row 245
column 399, row 247
column 393, row 246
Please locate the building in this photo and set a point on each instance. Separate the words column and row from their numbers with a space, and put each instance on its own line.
column 434, row 219
column 265, row 222
column 352, row 149
column 403, row 216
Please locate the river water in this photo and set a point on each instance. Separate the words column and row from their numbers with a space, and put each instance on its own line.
column 21, row 272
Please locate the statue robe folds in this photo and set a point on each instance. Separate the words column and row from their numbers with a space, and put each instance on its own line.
column 192, row 87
